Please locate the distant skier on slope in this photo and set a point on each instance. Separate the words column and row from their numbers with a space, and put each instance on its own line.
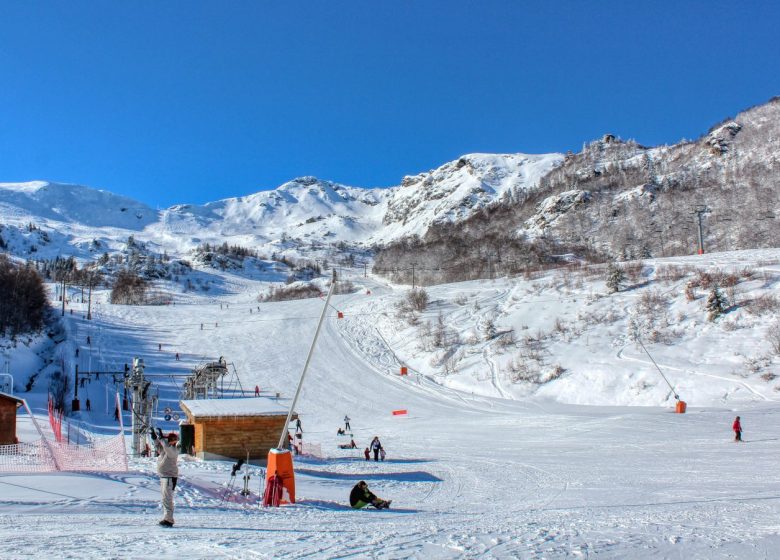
column 737, row 427
column 346, row 423
column 168, row 471
column 361, row 496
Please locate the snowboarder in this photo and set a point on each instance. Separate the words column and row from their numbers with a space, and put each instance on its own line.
column 340, row 432
column 367, row 454
column 168, row 471
column 346, row 423
column 737, row 427
column 361, row 496
column 376, row 446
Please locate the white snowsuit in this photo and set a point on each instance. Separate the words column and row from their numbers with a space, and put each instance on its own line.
column 169, row 473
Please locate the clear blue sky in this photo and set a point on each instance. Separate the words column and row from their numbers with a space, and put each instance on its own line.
column 188, row 101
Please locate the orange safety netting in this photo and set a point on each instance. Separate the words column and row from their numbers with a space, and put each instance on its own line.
column 43, row 455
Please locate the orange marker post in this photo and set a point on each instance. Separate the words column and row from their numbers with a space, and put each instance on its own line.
column 280, row 462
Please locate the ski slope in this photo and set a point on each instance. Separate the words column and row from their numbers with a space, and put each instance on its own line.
column 471, row 474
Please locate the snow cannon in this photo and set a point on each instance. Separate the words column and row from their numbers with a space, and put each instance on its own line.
column 680, row 407
column 280, row 463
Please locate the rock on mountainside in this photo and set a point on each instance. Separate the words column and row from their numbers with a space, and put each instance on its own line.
column 621, row 200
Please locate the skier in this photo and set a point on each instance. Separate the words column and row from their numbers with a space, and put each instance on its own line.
column 77, row 352
column 737, row 427
column 298, row 427
column 89, row 406
column 257, row 390
column 376, row 446
column 159, row 346
column 361, row 496
column 168, row 471
column 177, row 356
column 346, row 423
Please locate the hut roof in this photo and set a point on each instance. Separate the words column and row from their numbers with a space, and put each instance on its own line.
column 19, row 402
column 220, row 408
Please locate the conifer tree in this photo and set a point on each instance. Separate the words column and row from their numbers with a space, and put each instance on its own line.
column 615, row 278
column 716, row 304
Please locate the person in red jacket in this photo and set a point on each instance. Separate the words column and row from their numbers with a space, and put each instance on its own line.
column 737, row 427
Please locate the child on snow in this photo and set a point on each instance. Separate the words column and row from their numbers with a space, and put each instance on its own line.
column 737, row 427
column 367, row 453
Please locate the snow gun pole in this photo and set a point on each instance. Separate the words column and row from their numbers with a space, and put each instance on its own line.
column 306, row 366
column 279, row 474
column 676, row 396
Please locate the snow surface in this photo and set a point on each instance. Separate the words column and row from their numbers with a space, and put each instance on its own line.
column 593, row 464
column 266, row 406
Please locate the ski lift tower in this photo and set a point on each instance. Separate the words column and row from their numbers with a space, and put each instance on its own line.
column 204, row 383
column 142, row 404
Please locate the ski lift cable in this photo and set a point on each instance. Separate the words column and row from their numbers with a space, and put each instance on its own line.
column 676, row 396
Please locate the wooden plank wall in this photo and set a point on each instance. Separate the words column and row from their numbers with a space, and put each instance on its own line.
column 8, row 422
column 232, row 436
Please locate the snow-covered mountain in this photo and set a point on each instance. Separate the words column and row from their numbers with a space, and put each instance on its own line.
column 614, row 199
column 306, row 210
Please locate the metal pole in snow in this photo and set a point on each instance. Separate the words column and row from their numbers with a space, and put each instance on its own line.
column 676, row 396
column 306, row 365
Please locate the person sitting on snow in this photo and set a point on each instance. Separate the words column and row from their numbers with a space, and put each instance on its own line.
column 361, row 496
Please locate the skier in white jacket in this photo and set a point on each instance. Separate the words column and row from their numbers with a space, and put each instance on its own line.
column 168, row 469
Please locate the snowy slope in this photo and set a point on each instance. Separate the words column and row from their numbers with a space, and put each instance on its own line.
column 471, row 475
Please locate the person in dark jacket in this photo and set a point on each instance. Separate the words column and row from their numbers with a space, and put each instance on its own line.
column 737, row 427
column 361, row 496
column 376, row 446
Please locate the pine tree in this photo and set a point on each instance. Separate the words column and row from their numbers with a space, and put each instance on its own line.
column 615, row 277
column 716, row 304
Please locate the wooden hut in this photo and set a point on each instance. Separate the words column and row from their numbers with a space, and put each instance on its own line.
column 227, row 428
column 8, row 406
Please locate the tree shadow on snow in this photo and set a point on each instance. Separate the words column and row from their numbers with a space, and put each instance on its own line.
column 413, row 476
column 360, row 459
column 336, row 506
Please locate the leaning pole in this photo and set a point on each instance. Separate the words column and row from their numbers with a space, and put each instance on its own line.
column 280, row 462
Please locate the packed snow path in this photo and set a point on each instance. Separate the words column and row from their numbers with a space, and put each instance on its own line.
column 469, row 476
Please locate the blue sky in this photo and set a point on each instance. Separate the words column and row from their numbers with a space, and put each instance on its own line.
column 188, row 102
